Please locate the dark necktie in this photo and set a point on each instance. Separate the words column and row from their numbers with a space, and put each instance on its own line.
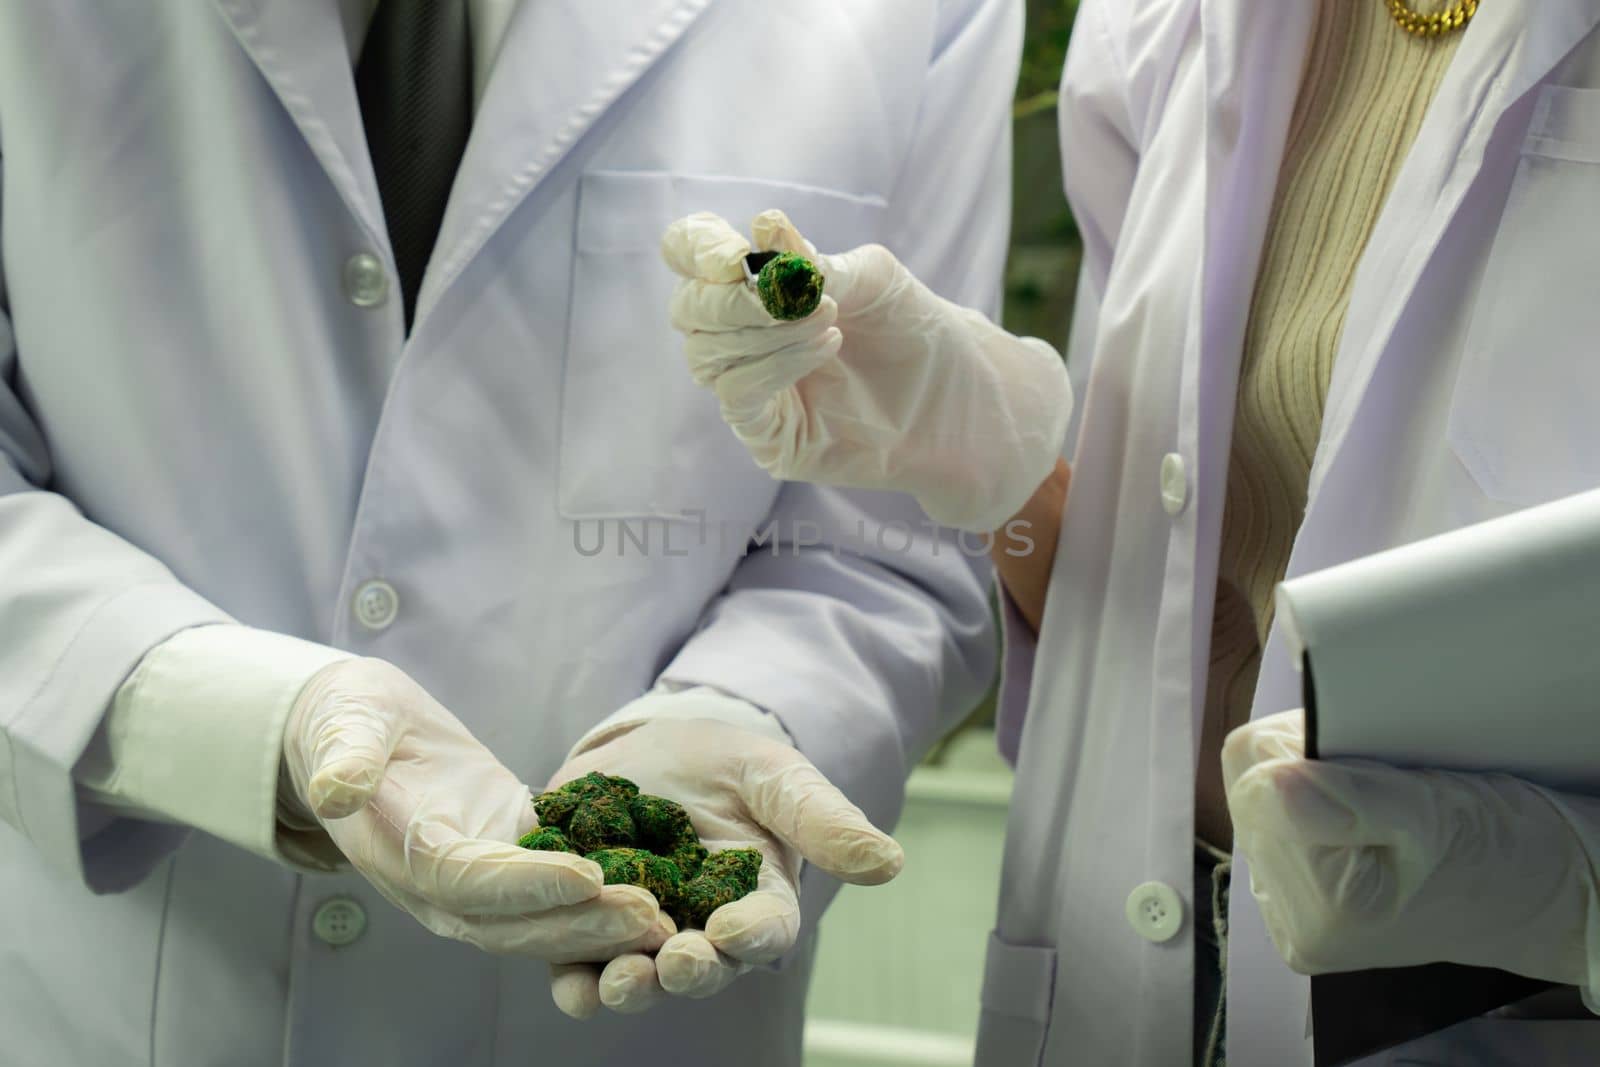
column 414, row 81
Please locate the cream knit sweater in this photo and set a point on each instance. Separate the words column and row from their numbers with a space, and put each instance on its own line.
column 1362, row 97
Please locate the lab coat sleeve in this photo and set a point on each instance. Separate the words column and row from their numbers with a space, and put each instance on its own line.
column 195, row 736
column 79, row 609
column 875, row 642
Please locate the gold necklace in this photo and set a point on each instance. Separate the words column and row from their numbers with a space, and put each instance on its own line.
column 1436, row 25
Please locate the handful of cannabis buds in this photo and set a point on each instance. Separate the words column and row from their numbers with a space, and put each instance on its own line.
column 641, row 840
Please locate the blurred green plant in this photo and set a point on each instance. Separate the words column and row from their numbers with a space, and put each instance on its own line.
column 1044, row 51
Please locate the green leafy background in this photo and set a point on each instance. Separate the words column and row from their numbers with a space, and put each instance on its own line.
column 1044, row 240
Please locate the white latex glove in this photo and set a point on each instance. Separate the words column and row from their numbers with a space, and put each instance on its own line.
column 431, row 819
column 1358, row 864
column 885, row 386
column 742, row 790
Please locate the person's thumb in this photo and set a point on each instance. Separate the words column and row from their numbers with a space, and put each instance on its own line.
column 792, row 799
column 703, row 246
column 773, row 232
column 346, row 749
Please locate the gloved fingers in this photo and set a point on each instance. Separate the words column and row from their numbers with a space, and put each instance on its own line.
column 1273, row 737
column 420, row 844
column 710, row 355
column 689, row 965
column 629, row 984
column 865, row 279
column 717, row 307
column 472, row 876
column 704, row 246
column 745, row 390
column 773, row 232
column 760, row 926
column 1270, row 810
column 622, row 919
column 575, row 987
column 1350, row 803
column 662, row 932
column 347, row 751
column 792, row 799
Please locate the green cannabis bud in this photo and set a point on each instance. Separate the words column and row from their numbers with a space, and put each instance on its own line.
column 723, row 879
column 664, row 828
column 637, row 866
column 546, row 839
column 556, row 807
column 790, row 286
column 600, row 823
column 642, row 840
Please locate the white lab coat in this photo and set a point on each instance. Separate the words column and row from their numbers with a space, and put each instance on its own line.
column 1465, row 387
column 198, row 422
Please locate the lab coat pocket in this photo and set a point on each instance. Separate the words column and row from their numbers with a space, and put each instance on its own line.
column 1523, row 417
column 638, row 437
column 1018, row 985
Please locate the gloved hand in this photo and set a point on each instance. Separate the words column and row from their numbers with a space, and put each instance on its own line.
column 742, row 789
column 429, row 817
column 1357, row 864
column 884, row 386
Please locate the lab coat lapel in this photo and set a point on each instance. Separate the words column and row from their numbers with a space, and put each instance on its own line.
column 299, row 47
column 1253, row 58
column 1254, row 55
column 1509, row 46
column 561, row 65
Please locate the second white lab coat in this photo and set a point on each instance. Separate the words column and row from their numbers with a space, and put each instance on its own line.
column 1465, row 387
column 209, row 408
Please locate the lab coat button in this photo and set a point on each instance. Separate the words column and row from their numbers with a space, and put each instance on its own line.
column 376, row 604
column 365, row 282
column 1155, row 911
column 339, row 922
column 1174, row 483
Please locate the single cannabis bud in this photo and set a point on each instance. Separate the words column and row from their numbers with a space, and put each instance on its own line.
column 636, row 866
column 665, row 828
column 603, row 822
column 723, row 878
column 556, row 807
column 790, row 286
column 547, row 839
column 641, row 840
column 689, row 857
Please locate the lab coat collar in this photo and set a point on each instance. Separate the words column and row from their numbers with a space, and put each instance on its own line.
column 300, row 49
column 561, row 66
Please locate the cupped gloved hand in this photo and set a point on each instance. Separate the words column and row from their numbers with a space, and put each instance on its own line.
column 427, row 815
column 885, row 386
column 742, row 790
column 1356, row 864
